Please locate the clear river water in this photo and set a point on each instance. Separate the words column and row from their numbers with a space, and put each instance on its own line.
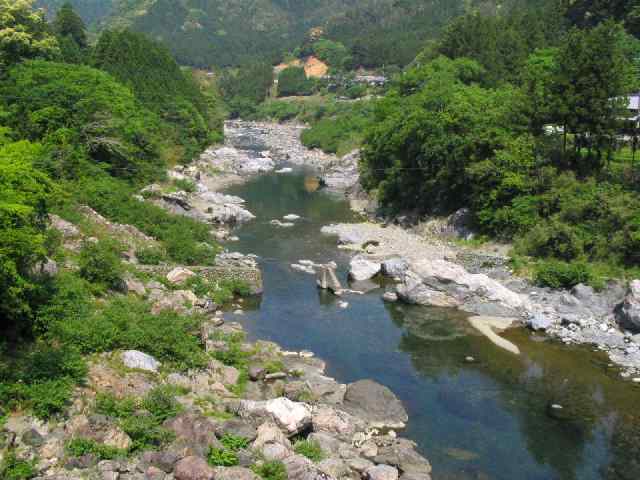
column 490, row 419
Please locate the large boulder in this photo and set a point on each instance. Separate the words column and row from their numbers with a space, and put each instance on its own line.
column 402, row 454
column 193, row 468
column 468, row 289
column 337, row 423
column 395, row 267
column 140, row 361
column 629, row 313
column 292, row 417
column 196, row 432
column 363, row 269
column 376, row 404
column 413, row 291
column 179, row 275
column 269, row 433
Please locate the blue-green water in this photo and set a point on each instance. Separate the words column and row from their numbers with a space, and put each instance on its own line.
column 482, row 420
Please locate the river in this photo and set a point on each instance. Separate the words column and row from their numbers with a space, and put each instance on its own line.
column 492, row 418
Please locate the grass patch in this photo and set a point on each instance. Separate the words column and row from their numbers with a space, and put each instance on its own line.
column 309, row 449
column 14, row 469
column 82, row 446
column 271, row 471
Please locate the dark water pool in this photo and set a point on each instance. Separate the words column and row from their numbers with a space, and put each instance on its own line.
column 485, row 420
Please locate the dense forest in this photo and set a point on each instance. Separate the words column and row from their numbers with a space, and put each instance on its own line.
column 84, row 124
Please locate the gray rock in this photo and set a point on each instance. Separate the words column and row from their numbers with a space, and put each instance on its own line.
column 152, row 473
column 140, row 361
column 32, row 438
column 256, row 372
column 301, row 468
column 193, row 468
column 327, row 278
column 235, row 473
column 275, row 452
column 390, row 297
column 363, row 269
column 395, row 267
column 629, row 313
column 376, row 404
column 402, row 454
column 293, row 417
column 239, row 428
column 382, row 472
column 196, row 432
column 165, row 460
column 269, row 433
column 539, row 321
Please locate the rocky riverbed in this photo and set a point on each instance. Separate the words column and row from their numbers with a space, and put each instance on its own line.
column 268, row 404
column 439, row 273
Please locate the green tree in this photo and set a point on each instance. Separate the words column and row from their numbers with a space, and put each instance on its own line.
column 594, row 74
column 25, row 194
column 82, row 111
column 162, row 86
column 294, row 81
column 24, row 33
column 69, row 24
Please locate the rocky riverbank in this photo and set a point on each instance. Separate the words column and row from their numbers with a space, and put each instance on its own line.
column 253, row 411
column 430, row 270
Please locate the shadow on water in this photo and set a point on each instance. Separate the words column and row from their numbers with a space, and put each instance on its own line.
column 487, row 419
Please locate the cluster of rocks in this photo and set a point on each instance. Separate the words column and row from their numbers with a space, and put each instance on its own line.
column 432, row 273
column 354, row 425
column 282, row 141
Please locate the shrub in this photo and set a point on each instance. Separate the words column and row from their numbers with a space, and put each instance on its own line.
column 82, row 446
column 41, row 379
column 185, row 184
column 185, row 240
column 234, row 442
column 145, row 432
column 220, row 292
column 222, row 457
column 557, row 274
column 14, row 469
column 127, row 323
column 294, row 81
column 309, row 449
column 100, row 263
column 107, row 404
column 271, row 471
column 161, row 403
column 150, row 256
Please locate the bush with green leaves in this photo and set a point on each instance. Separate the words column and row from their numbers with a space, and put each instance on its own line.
column 222, row 457
column 234, row 442
column 101, row 264
column 184, row 239
column 274, row 470
column 41, row 378
column 556, row 274
column 220, row 292
column 13, row 468
column 75, row 105
column 124, row 323
column 185, row 185
column 79, row 447
column 310, row 449
column 293, row 81
column 161, row 403
column 151, row 256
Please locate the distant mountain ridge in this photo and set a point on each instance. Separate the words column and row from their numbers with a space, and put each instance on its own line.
column 226, row 32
